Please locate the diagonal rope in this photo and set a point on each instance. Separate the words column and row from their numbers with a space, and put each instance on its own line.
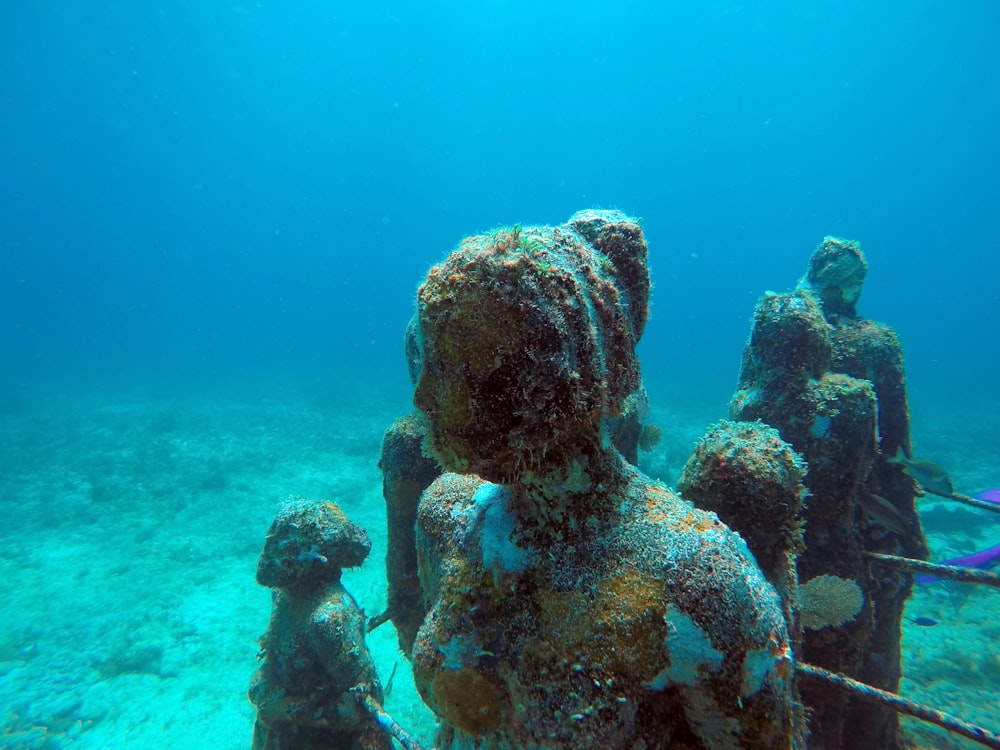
column 958, row 497
column 954, row 572
column 386, row 722
column 905, row 706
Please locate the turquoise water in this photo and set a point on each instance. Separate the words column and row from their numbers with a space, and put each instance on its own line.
column 133, row 522
column 213, row 218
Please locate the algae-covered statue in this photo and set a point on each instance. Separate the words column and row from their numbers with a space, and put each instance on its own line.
column 834, row 385
column 407, row 470
column 572, row 601
column 314, row 658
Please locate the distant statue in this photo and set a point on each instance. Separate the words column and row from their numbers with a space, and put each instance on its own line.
column 834, row 386
column 315, row 665
column 570, row 600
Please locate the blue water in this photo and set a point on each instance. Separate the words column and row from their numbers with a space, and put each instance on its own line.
column 205, row 197
column 217, row 189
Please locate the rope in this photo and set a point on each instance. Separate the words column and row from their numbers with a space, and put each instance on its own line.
column 954, row 572
column 385, row 721
column 905, row 706
column 379, row 619
column 958, row 497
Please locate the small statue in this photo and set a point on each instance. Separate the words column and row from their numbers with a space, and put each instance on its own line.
column 315, row 667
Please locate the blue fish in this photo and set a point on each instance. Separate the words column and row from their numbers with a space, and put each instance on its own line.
column 982, row 560
column 991, row 495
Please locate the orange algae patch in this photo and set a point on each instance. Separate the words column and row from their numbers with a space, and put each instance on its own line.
column 658, row 502
column 339, row 517
column 662, row 508
column 468, row 700
column 622, row 627
column 696, row 522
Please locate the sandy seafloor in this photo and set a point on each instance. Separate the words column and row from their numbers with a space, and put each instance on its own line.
column 131, row 524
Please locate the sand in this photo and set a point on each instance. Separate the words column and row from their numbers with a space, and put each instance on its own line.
column 131, row 525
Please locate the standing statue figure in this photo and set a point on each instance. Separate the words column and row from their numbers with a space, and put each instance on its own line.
column 572, row 601
column 834, row 386
column 315, row 665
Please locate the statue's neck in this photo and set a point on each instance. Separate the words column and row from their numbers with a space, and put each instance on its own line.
column 583, row 493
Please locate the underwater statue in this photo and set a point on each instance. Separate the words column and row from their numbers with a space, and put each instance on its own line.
column 833, row 384
column 315, row 667
column 407, row 471
column 754, row 481
column 570, row 600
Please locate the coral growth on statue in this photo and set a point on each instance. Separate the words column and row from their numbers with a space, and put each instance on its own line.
column 834, row 386
column 570, row 600
column 313, row 657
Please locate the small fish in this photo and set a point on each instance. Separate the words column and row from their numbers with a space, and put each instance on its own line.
column 927, row 474
column 990, row 496
column 392, row 676
column 924, row 622
column 887, row 514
